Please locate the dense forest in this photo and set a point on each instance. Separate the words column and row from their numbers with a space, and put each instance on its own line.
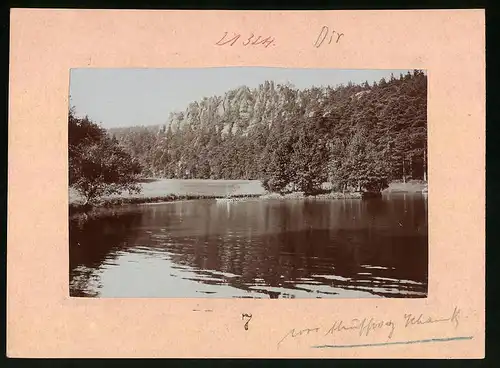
column 354, row 136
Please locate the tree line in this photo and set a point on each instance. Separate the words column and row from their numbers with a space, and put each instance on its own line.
column 355, row 136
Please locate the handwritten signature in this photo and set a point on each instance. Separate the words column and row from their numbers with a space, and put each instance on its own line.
column 365, row 326
column 252, row 40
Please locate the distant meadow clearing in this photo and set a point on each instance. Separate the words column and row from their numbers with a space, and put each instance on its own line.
column 203, row 188
column 155, row 188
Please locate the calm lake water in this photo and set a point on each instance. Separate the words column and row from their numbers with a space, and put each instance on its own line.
column 255, row 248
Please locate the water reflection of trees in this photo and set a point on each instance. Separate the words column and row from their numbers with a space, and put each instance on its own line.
column 274, row 244
column 287, row 242
column 94, row 239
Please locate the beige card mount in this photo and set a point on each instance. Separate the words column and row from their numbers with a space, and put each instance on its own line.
column 46, row 320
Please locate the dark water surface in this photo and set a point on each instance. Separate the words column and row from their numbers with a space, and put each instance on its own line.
column 255, row 248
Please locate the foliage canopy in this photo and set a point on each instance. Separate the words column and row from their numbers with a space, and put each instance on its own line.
column 355, row 136
column 98, row 165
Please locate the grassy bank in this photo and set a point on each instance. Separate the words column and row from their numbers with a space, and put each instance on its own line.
column 411, row 186
column 170, row 190
column 77, row 207
column 156, row 188
column 328, row 195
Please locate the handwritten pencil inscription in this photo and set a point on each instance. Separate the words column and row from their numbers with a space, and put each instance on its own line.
column 364, row 326
column 367, row 326
column 325, row 36
column 245, row 40
column 411, row 319
column 330, row 36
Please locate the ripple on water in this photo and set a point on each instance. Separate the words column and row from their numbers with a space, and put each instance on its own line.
column 167, row 252
column 333, row 277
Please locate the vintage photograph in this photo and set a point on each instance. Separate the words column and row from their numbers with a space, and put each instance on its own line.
column 248, row 182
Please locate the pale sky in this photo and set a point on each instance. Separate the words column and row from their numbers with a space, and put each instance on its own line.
column 128, row 97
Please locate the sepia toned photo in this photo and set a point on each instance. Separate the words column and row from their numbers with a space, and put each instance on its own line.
column 248, row 182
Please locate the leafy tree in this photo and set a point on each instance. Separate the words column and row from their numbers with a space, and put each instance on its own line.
column 309, row 158
column 277, row 168
column 98, row 166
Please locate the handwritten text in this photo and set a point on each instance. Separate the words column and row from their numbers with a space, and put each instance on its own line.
column 247, row 40
column 368, row 325
column 411, row 319
column 326, row 35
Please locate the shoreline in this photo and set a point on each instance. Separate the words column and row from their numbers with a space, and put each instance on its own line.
column 76, row 208
column 247, row 190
